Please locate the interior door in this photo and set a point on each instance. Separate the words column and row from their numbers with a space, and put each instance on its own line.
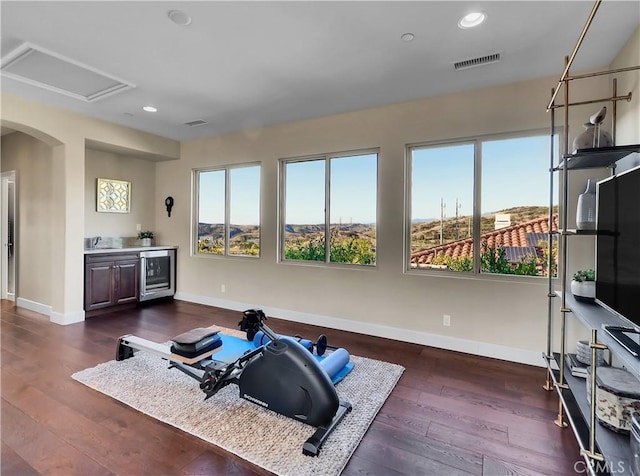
column 9, row 242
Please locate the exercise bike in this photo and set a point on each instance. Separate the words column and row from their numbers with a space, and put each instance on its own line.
column 281, row 374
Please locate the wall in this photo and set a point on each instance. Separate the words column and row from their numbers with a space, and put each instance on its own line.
column 33, row 162
column 68, row 135
column 141, row 174
column 489, row 316
column 628, row 131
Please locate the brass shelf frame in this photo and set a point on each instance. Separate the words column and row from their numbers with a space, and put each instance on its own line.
column 556, row 378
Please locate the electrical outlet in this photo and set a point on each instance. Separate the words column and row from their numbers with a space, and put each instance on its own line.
column 446, row 320
column 138, row 227
column 223, row 288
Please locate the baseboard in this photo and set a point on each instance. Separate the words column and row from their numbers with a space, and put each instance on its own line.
column 484, row 349
column 55, row 317
column 67, row 317
column 34, row 306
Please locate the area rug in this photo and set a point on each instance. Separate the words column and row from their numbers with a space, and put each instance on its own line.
column 258, row 435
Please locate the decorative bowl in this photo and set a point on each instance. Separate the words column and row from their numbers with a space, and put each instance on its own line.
column 583, row 353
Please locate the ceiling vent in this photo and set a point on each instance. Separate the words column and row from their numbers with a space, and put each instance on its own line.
column 198, row 122
column 34, row 65
column 472, row 63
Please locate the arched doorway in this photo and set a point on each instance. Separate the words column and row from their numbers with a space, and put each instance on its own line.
column 27, row 212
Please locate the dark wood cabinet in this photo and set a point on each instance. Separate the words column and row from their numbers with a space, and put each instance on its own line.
column 111, row 279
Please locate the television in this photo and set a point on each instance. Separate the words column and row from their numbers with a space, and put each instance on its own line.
column 618, row 253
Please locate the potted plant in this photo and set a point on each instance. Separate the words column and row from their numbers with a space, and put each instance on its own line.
column 583, row 285
column 145, row 237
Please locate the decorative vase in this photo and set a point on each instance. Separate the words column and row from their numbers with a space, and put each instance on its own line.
column 588, row 139
column 586, row 211
column 584, row 290
column 146, row 241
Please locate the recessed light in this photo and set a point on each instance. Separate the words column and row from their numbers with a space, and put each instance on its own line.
column 407, row 37
column 471, row 19
column 179, row 17
column 149, row 109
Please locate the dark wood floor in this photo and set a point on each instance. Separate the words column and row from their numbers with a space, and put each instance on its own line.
column 450, row 413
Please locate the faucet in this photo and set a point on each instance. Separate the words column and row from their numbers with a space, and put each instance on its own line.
column 95, row 241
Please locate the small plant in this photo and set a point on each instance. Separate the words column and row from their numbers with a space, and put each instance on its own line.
column 584, row 275
column 145, row 234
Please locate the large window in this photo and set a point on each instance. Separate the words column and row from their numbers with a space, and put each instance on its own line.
column 480, row 206
column 329, row 208
column 228, row 211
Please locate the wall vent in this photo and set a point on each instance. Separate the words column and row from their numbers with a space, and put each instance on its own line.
column 198, row 122
column 481, row 60
column 39, row 67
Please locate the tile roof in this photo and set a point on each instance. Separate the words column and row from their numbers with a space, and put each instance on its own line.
column 514, row 239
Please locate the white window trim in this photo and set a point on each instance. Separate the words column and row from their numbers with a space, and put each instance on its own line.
column 282, row 181
column 195, row 187
column 475, row 274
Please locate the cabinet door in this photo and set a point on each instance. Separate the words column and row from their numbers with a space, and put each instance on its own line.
column 98, row 288
column 126, row 275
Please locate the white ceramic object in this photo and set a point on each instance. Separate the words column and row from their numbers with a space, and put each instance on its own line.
column 588, row 140
column 583, row 353
column 584, row 290
column 586, row 210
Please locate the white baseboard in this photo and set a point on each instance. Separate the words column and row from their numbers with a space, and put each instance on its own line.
column 67, row 317
column 34, row 306
column 55, row 317
column 484, row 349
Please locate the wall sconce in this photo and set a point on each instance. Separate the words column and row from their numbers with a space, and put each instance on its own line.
column 169, row 204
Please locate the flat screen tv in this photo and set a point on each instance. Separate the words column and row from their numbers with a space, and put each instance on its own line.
column 618, row 246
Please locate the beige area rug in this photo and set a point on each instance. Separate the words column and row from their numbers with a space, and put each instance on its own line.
column 258, row 435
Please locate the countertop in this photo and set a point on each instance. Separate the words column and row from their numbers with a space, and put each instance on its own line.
column 129, row 250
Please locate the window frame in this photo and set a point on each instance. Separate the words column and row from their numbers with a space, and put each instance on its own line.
column 477, row 141
column 195, row 215
column 282, row 202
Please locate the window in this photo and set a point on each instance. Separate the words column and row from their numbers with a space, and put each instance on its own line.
column 228, row 211
column 480, row 206
column 329, row 209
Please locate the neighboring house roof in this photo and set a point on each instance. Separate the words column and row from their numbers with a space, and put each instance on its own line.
column 517, row 241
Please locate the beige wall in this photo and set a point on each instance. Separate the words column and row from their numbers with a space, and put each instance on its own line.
column 141, row 174
column 628, row 131
column 69, row 134
column 485, row 312
column 32, row 160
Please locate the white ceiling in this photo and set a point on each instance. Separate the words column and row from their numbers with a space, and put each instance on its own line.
column 242, row 65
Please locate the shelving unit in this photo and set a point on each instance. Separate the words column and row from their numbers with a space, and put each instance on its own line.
column 610, row 450
column 604, row 451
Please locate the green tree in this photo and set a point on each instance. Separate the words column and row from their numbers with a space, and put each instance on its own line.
column 352, row 250
column 313, row 250
column 493, row 259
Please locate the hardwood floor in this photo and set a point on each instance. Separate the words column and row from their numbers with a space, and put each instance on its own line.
column 450, row 413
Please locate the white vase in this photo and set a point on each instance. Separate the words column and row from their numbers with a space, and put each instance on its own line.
column 586, row 210
column 584, row 290
column 146, row 241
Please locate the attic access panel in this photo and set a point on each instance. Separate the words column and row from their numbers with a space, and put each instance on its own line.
column 39, row 67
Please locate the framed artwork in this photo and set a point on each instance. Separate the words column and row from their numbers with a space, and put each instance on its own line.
column 113, row 196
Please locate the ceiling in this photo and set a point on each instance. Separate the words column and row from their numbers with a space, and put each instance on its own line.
column 241, row 65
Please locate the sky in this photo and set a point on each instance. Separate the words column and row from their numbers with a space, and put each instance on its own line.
column 244, row 196
column 514, row 173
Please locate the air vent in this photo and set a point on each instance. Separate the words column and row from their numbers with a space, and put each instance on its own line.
column 472, row 63
column 198, row 122
column 34, row 65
